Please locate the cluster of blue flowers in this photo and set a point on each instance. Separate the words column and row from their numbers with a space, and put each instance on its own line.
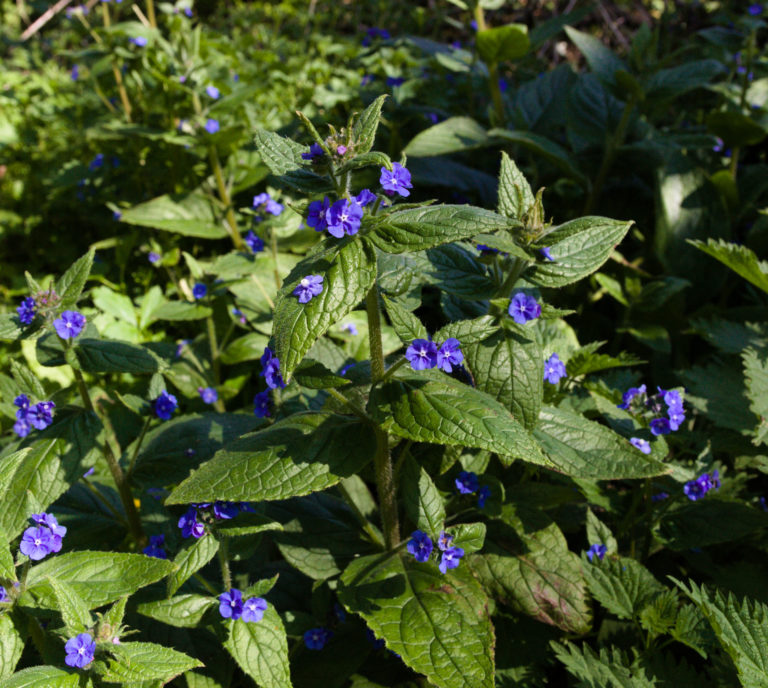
column 469, row 483
column 424, row 353
column 270, row 370
column 523, row 308
column 80, row 651
column 317, row 638
column 374, row 33
column 667, row 406
column 254, row 242
column 420, row 546
column 696, row 489
column 309, row 287
column 27, row 311
column 265, row 202
column 45, row 537
column 554, row 369
column 38, row 416
column 165, row 405
column 231, row 606
column 194, row 519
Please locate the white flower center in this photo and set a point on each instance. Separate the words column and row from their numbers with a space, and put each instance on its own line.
column 305, row 282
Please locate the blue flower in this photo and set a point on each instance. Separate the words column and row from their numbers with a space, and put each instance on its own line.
column 224, row 511
column 660, row 426
column 261, row 404
column 3, row 594
column 397, row 180
column 22, row 427
column 696, row 489
column 395, row 81
column 544, row 250
column 641, row 444
column 660, row 496
column 315, row 154
column 255, row 243
column 449, row 354
column 554, row 369
column 316, row 638
column 212, row 92
column 208, row 394
column 482, row 495
column 212, row 125
column 596, row 551
column 268, row 203
column 69, row 325
column 139, row 40
column 199, row 290
column 365, row 197
column 26, row 311
column 37, row 543
column 523, row 308
column 75, row 73
column 80, row 650
column 231, row 604
column 755, row 9
column 253, row 609
column 40, row 416
column 467, row 483
column 190, row 525
column 351, row 328
column 97, row 162
column 316, row 213
column 444, row 541
column 165, row 405
column 422, row 354
column 420, row 546
column 271, row 370
column 343, row 217
column 450, row 558
column 629, row 395
column 154, row 258
column 309, row 287
column 155, row 547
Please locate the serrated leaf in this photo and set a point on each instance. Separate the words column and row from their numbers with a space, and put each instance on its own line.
column 315, row 375
column 113, row 356
column 364, row 128
column 191, row 559
column 438, row 624
column 509, row 366
column 261, row 649
column 182, row 611
column 740, row 259
column 719, row 392
column 693, row 629
column 70, row 285
column 348, row 268
column 42, row 677
column 97, row 577
column 609, row 669
column 453, row 135
column 374, row 159
column 421, row 499
column 585, row 360
column 659, row 617
column 756, row 379
column 296, row 456
column 11, row 646
column 622, row 585
column 406, row 325
column 421, row 228
column 137, row 662
column 515, row 195
column 280, row 154
column 443, row 411
column 579, row 247
column 189, row 214
column 74, row 610
column 582, row 448
column 502, row 43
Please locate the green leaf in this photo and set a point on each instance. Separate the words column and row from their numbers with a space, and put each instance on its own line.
column 406, row 325
column 735, row 128
column 469, row 331
column 113, row 356
column 740, row 259
column 421, row 500
column 456, row 270
column 74, row 611
column 609, row 669
column 515, row 195
column 70, row 285
column 180, row 310
column 189, row 214
column 502, row 43
column 660, row 616
column 11, row 646
column 296, row 456
column 601, row 60
column 579, row 247
column 117, row 305
column 421, row 228
column 182, row 611
column 454, row 135
column 469, row 536
column 622, row 585
column 582, row 448
column 526, row 564
column 741, row 626
column 438, row 624
column 138, row 662
column 599, row 533
column 348, row 268
column 97, row 577
column 509, row 366
column 261, row 649
column 672, row 82
column 9, row 326
column 441, row 410
column 249, row 347
column 27, row 380
column 246, row 524
column 280, row 154
column 364, row 128
column 585, row 361
column 374, row 159
column 42, row 677
column 756, row 379
column 315, row 375
column 7, row 569
column 191, row 559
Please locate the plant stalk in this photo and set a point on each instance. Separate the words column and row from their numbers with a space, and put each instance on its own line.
column 116, row 71
column 215, row 362
column 151, row 13
column 226, row 576
column 234, row 233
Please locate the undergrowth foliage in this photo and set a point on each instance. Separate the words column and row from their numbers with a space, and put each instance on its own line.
column 361, row 442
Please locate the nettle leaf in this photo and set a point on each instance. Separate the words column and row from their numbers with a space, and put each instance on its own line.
column 182, row 611
column 189, row 214
column 526, row 564
column 585, row 360
column 348, row 268
column 438, row 409
column 261, row 649
column 515, row 194
column 406, row 325
column 191, row 559
column 756, row 379
column 579, row 247
column 280, row 154
column 741, row 626
column 296, row 456
column 11, row 646
column 582, row 448
column 501, row 43
column 421, row 499
column 70, row 285
column 364, row 128
column 97, row 577
column 421, row 228
column 451, row 136
column 74, row 610
column 112, row 356
column 609, row 668
column 42, row 677
column 509, row 366
column 622, row 585
column 138, row 662
column 740, row 259
column 438, row 624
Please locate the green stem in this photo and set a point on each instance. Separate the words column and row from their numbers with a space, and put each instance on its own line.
column 393, row 368
column 273, row 246
column 23, row 576
column 234, row 233
column 205, row 584
column 116, row 71
column 351, row 404
column 734, row 166
column 151, row 13
column 226, row 576
column 367, row 526
column 518, row 266
column 123, row 489
column 374, row 334
column 104, row 501
column 215, row 362
column 136, row 449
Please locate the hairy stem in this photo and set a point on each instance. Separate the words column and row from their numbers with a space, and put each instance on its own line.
column 226, row 576
column 234, row 233
column 212, row 343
